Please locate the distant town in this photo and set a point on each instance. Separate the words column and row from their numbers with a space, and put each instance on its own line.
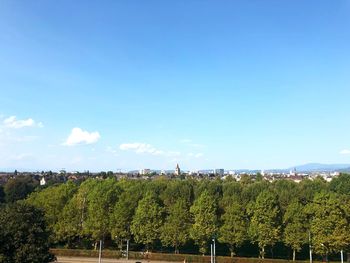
column 311, row 171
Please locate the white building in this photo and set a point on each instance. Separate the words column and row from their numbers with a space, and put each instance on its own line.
column 144, row 171
column 42, row 181
column 177, row 170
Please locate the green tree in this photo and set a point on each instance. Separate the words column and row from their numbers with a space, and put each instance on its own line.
column 101, row 200
column 341, row 184
column 246, row 179
column 23, row 235
column 19, row 188
column 205, row 226
column 330, row 224
column 123, row 212
column 264, row 226
column 251, row 191
column 212, row 187
column 259, row 177
column 309, row 188
column 69, row 227
column 2, row 194
column 232, row 191
column 147, row 221
column 175, row 231
column 72, row 219
column 234, row 228
column 177, row 189
column 295, row 231
column 286, row 191
column 53, row 200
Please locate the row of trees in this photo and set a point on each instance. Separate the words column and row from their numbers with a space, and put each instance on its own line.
column 178, row 212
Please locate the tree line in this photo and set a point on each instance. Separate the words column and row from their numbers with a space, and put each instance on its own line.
column 174, row 213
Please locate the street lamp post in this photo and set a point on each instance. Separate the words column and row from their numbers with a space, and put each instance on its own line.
column 341, row 256
column 127, row 249
column 214, row 252
column 100, row 253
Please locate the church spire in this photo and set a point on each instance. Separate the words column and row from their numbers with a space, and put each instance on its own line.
column 177, row 170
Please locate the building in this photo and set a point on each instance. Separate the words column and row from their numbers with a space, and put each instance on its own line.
column 42, row 181
column 220, row 172
column 177, row 170
column 145, row 171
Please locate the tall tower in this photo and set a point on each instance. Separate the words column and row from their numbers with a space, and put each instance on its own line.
column 177, row 170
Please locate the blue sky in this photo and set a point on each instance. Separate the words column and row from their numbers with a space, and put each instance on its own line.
column 107, row 85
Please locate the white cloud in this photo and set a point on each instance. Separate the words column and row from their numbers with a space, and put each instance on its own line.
column 78, row 136
column 345, row 151
column 12, row 122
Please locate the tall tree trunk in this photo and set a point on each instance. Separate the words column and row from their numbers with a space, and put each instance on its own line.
column 95, row 245
column 232, row 250
column 271, row 252
column 293, row 254
column 263, row 253
column 176, row 250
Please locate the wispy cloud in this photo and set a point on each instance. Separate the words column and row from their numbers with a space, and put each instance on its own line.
column 345, row 151
column 79, row 136
column 140, row 148
column 190, row 143
column 195, row 155
column 20, row 157
column 111, row 150
column 146, row 148
column 13, row 122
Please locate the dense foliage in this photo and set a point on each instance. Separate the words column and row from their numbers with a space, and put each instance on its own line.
column 182, row 214
column 18, row 188
column 23, row 235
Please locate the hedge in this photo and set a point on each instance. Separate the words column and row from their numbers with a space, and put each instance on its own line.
column 163, row 257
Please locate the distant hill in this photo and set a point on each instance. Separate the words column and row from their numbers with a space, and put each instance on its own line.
column 320, row 167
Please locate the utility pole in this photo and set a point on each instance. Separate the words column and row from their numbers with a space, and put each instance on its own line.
column 341, row 256
column 214, row 251
column 211, row 253
column 100, row 253
column 127, row 249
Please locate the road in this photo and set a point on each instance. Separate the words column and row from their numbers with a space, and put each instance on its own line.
column 104, row 260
